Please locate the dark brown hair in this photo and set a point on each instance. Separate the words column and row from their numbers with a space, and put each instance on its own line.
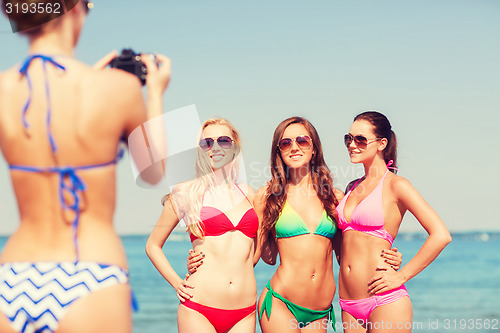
column 29, row 23
column 382, row 129
column 277, row 186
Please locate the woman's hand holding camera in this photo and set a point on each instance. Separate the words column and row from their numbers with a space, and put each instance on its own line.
column 104, row 61
column 159, row 72
column 158, row 68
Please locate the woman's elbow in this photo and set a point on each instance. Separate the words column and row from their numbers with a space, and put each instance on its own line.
column 444, row 238
column 150, row 249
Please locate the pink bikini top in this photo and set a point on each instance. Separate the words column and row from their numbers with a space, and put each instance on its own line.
column 216, row 222
column 368, row 216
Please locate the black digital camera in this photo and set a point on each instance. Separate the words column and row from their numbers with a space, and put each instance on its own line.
column 130, row 61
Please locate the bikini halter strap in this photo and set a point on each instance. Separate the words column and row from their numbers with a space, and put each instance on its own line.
column 70, row 184
column 24, row 71
column 203, row 197
column 391, row 162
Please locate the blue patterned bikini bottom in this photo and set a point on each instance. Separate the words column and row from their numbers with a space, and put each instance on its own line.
column 35, row 296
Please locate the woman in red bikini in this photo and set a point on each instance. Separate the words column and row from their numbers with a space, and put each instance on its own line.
column 372, row 297
column 296, row 209
column 223, row 225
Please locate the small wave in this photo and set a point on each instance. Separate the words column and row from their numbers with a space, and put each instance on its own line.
column 480, row 236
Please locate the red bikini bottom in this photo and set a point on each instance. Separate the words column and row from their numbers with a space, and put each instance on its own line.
column 222, row 320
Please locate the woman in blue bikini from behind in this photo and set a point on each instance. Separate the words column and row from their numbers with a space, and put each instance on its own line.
column 61, row 123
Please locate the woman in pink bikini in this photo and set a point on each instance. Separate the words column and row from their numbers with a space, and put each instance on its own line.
column 297, row 213
column 223, row 225
column 372, row 296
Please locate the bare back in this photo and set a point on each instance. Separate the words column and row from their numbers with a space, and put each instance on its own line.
column 91, row 110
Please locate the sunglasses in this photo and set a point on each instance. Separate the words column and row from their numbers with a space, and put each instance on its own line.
column 359, row 140
column 88, row 5
column 303, row 142
column 224, row 142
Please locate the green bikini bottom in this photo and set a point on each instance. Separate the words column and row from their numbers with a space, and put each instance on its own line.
column 302, row 314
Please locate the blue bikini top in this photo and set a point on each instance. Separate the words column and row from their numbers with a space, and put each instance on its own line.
column 69, row 181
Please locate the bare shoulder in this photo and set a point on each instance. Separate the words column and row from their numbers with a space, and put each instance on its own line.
column 114, row 82
column 10, row 81
column 181, row 188
column 117, row 93
column 400, row 185
column 247, row 190
column 259, row 200
column 12, row 71
column 9, row 78
column 178, row 198
column 338, row 194
column 261, row 192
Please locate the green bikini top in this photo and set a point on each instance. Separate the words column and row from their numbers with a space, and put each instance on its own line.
column 290, row 224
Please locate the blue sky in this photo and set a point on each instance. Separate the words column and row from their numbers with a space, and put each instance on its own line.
column 431, row 66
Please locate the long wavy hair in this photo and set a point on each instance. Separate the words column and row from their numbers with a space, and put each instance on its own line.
column 187, row 197
column 321, row 178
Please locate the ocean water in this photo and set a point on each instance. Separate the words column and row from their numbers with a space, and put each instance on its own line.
column 458, row 292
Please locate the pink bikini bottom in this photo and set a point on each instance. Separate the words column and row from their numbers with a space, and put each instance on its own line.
column 361, row 308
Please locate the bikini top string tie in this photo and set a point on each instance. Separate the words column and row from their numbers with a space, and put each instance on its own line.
column 24, row 71
column 391, row 162
column 71, row 186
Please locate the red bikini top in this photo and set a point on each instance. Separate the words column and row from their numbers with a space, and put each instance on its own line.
column 216, row 222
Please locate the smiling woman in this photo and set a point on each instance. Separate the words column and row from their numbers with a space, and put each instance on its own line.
column 219, row 150
column 297, row 209
column 372, row 294
column 223, row 225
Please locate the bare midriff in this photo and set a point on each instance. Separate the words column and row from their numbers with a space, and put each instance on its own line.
column 226, row 278
column 305, row 273
column 360, row 256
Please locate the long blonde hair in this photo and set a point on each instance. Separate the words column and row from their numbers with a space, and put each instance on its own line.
column 186, row 198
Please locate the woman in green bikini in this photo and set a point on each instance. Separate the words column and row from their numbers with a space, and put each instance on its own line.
column 297, row 210
column 299, row 195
